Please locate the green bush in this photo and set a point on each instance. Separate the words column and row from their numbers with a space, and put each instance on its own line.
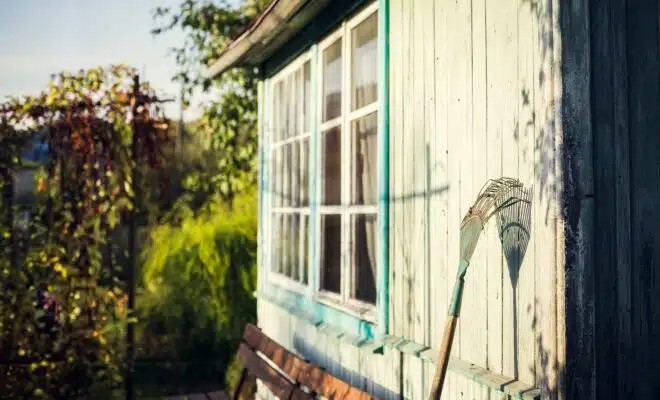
column 198, row 278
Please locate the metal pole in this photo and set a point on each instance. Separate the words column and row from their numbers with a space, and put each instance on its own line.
column 132, row 249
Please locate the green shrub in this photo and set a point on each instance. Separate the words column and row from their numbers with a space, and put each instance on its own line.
column 198, row 278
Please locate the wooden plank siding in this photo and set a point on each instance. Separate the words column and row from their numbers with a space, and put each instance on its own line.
column 623, row 360
column 470, row 99
column 491, row 117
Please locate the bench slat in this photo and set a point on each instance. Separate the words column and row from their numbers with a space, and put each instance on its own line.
column 280, row 386
column 300, row 370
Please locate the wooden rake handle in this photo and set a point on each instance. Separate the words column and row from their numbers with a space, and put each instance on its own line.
column 443, row 357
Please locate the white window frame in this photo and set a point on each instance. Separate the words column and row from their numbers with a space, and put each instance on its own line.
column 274, row 277
column 343, row 300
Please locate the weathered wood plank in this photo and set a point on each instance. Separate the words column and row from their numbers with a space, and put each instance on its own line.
column 440, row 185
column 506, row 37
column 577, row 200
column 644, row 100
column 396, row 179
column 525, row 245
column 467, row 338
column 621, row 144
column 430, row 269
column 606, row 335
column 495, row 108
column 456, row 128
column 544, row 205
column 479, row 273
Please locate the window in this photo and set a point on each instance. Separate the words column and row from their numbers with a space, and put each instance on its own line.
column 345, row 211
column 349, row 159
column 290, row 150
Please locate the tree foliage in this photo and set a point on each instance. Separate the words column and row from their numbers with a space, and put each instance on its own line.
column 231, row 121
column 62, row 299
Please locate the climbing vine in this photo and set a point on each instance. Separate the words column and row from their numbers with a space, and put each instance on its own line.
column 62, row 290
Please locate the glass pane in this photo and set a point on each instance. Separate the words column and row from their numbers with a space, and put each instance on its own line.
column 277, row 244
column 304, row 242
column 294, row 105
column 295, row 174
column 282, row 108
column 304, row 172
column 331, row 253
column 332, row 167
column 365, row 160
column 277, row 98
column 286, row 243
column 307, row 97
column 294, row 249
column 363, row 255
column 286, row 176
column 364, row 52
column 277, row 177
column 286, row 98
column 332, row 81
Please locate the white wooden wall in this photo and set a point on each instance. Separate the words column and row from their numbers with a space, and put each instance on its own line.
column 471, row 89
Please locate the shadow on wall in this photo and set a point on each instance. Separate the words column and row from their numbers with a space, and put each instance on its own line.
column 514, row 226
column 309, row 352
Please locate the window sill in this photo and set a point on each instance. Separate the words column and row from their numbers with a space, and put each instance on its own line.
column 356, row 309
column 334, row 322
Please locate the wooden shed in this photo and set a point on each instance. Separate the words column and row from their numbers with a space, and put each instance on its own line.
column 379, row 123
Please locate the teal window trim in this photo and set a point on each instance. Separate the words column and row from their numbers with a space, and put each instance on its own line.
column 348, row 326
column 384, row 167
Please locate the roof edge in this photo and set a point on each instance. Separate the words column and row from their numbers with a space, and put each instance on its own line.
column 262, row 30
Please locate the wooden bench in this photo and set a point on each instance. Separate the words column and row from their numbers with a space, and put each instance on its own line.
column 294, row 378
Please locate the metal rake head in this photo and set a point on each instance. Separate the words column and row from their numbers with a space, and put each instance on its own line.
column 489, row 202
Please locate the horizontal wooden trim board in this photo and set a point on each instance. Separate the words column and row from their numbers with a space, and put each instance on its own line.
column 480, row 375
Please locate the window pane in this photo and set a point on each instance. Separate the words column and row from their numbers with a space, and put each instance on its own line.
column 282, row 110
column 294, row 247
column 304, row 172
column 286, row 99
column 332, row 167
column 331, row 253
column 365, row 160
column 294, row 110
column 364, row 54
column 277, row 177
column 277, row 112
column 332, row 81
column 277, row 244
column 304, row 242
column 295, row 174
column 286, row 176
column 286, row 245
column 363, row 254
column 307, row 97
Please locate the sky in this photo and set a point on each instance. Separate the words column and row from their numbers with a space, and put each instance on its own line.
column 42, row 37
